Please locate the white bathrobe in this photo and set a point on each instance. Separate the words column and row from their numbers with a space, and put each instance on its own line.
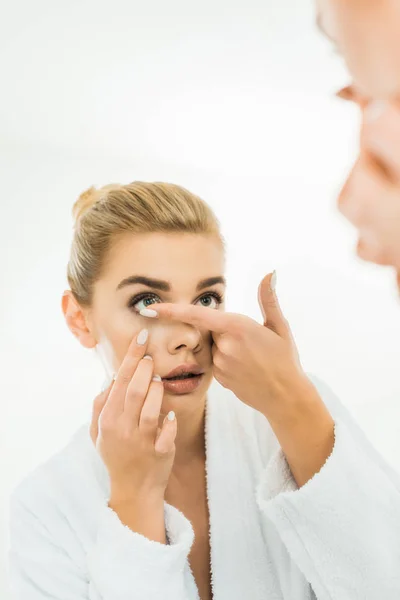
column 336, row 538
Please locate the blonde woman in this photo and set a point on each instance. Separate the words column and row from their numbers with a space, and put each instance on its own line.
column 256, row 485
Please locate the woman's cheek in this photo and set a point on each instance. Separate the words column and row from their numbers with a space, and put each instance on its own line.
column 114, row 343
column 128, row 325
column 207, row 343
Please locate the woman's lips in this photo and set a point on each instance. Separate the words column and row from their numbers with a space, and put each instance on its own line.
column 182, row 386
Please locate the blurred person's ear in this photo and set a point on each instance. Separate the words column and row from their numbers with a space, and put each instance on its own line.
column 76, row 320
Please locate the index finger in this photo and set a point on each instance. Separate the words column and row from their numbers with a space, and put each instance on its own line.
column 135, row 353
column 198, row 316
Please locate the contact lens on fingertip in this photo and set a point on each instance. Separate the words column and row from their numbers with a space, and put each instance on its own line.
column 171, row 415
column 148, row 312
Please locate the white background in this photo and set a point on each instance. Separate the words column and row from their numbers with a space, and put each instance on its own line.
column 234, row 100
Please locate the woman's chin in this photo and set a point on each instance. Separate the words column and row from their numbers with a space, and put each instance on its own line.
column 183, row 396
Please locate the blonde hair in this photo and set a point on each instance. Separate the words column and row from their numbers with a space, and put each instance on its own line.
column 101, row 215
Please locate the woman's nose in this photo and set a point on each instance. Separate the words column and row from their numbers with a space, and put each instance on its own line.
column 183, row 336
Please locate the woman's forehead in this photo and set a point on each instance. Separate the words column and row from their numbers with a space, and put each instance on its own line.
column 171, row 257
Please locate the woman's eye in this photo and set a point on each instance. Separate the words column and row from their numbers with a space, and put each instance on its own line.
column 144, row 302
column 210, row 301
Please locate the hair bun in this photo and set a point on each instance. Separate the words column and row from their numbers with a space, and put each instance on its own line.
column 84, row 203
column 90, row 197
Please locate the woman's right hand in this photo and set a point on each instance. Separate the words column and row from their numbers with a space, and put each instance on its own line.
column 125, row 429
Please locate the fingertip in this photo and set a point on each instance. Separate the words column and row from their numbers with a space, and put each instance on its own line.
column 170, row 423
column 164, row 310
column 148, row 312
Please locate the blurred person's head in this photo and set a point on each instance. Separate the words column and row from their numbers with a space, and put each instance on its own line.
column 139, row 244
column 367, row 34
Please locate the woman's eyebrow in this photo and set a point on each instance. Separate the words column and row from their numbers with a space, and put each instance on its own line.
column 210, row 281
column 164, row 286
column 157, row 284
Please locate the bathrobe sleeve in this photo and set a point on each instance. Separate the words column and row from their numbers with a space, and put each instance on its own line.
column 120, row 564
column 342, row 528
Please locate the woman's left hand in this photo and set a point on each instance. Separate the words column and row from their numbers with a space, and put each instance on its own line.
column 259, row 363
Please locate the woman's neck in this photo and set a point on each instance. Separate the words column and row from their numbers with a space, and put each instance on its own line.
column 190, row 439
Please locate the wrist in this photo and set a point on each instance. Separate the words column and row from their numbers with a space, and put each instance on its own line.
column 122, row 495
column 291, row 398
column 141, row 511
column 304, row 428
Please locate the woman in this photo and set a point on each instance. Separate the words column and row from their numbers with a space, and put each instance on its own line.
column 182, row 488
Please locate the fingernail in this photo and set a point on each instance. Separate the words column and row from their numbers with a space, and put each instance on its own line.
column 157, row 378
column 171, row 415
column 142, row 337
column 147, row 357
column 374, row 110
column 273, row 281
column 148, row 312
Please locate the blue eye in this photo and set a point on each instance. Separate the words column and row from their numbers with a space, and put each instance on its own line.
column 210, row 300
column 143, row 301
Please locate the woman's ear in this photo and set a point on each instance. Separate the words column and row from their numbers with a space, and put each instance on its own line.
column 76, row 320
